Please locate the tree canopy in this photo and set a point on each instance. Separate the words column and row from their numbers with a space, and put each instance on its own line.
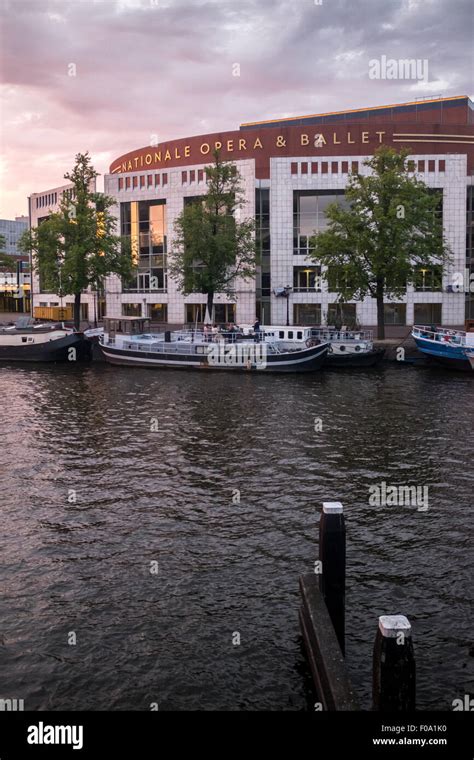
column 391, row 227
column 212, row 247
column 77, row 246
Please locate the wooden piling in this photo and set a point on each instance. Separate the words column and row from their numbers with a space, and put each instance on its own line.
column 394, row 682
column 332, row 554
column 325, row 658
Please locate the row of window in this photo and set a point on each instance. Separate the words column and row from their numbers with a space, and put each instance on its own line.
column 143, row 181
column 339, row 314
column 302, row 168
column 193, row 312
column 43, row 201
column 303, row 313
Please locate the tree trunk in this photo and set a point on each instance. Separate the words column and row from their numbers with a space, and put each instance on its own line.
column 77, row 311
column 380, row 310
column 210, row 304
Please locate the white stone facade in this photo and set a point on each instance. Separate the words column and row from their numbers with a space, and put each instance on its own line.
column 282, row 184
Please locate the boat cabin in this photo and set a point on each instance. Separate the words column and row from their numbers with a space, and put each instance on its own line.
column 126, row 325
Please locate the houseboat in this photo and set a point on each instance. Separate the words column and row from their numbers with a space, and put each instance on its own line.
column 450, row 348
column 29, row 342
column 127, row 341
column 347, row 348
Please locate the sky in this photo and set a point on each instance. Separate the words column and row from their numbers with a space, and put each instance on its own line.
column 108, row 76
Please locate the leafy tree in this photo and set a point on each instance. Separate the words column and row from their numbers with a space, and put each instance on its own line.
column 77, row 247
column 391, row 228
column 7, row 262
column 211, row 247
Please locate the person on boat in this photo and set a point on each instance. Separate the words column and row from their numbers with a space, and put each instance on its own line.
column 256, row 326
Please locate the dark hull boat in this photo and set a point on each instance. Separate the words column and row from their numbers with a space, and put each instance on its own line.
column 190, row 357
column 195, row 350
column 42, row 343
column 362, row 359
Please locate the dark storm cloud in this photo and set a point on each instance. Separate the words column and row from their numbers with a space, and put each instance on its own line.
column 146, row 67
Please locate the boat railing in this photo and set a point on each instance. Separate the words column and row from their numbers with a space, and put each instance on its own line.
column 326, row 334
column 439, row 334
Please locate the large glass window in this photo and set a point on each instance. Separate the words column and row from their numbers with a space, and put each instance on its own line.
column 145, row 223
column 262, row 220
column 306, row 279
column 342, row 314
column 309, row 215
column 395, row 313
column 158, row 312
column 307, row 314
column 429, row 278
column 131, row 310
column 427, row 314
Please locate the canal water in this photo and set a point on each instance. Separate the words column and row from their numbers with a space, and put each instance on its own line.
column 154, row 525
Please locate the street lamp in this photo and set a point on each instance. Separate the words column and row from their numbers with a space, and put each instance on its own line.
column 288, row 290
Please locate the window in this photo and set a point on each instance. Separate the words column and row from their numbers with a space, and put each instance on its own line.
column 266, row 285
column 184, row 178
column 127, row 183
column 431, row 166
column 338, row 279
column 192, row 176
column 195, row 312
column 149, row 180
column 342, row 314
column 309, row 215
column 307, row 314
column 135, row 182
column 262, row 221
column 142, row 180
column 427, row 313
column 304, row 168
column 200, row 175
column 421, row 166
column 395, row 313
column 294, row 167
column 120, row 183
column 157, row 179
column 345, row 167
column 158, row 312
column 442, row 165
column 428, row 278
column 131, row 310
column 355, row 166
column 165, row 179
column 334, row 167
column 306, row 279
column 224, row 313
column 324, row 167
column 314, row 167
column 145, row 223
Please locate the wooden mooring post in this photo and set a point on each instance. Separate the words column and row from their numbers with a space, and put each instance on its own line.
column 394, row 669
column 332, row 555
column 322, row 621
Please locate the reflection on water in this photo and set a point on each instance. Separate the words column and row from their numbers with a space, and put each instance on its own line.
column 218, row 478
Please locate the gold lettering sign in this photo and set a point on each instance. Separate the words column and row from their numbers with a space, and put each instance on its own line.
column 317, row 140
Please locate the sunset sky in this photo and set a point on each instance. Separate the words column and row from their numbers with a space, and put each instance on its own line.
column 167, row 67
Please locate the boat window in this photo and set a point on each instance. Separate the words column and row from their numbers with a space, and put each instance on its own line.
column 299, row 335
column 23, row 340
column 281, row 334
column 290, row 333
